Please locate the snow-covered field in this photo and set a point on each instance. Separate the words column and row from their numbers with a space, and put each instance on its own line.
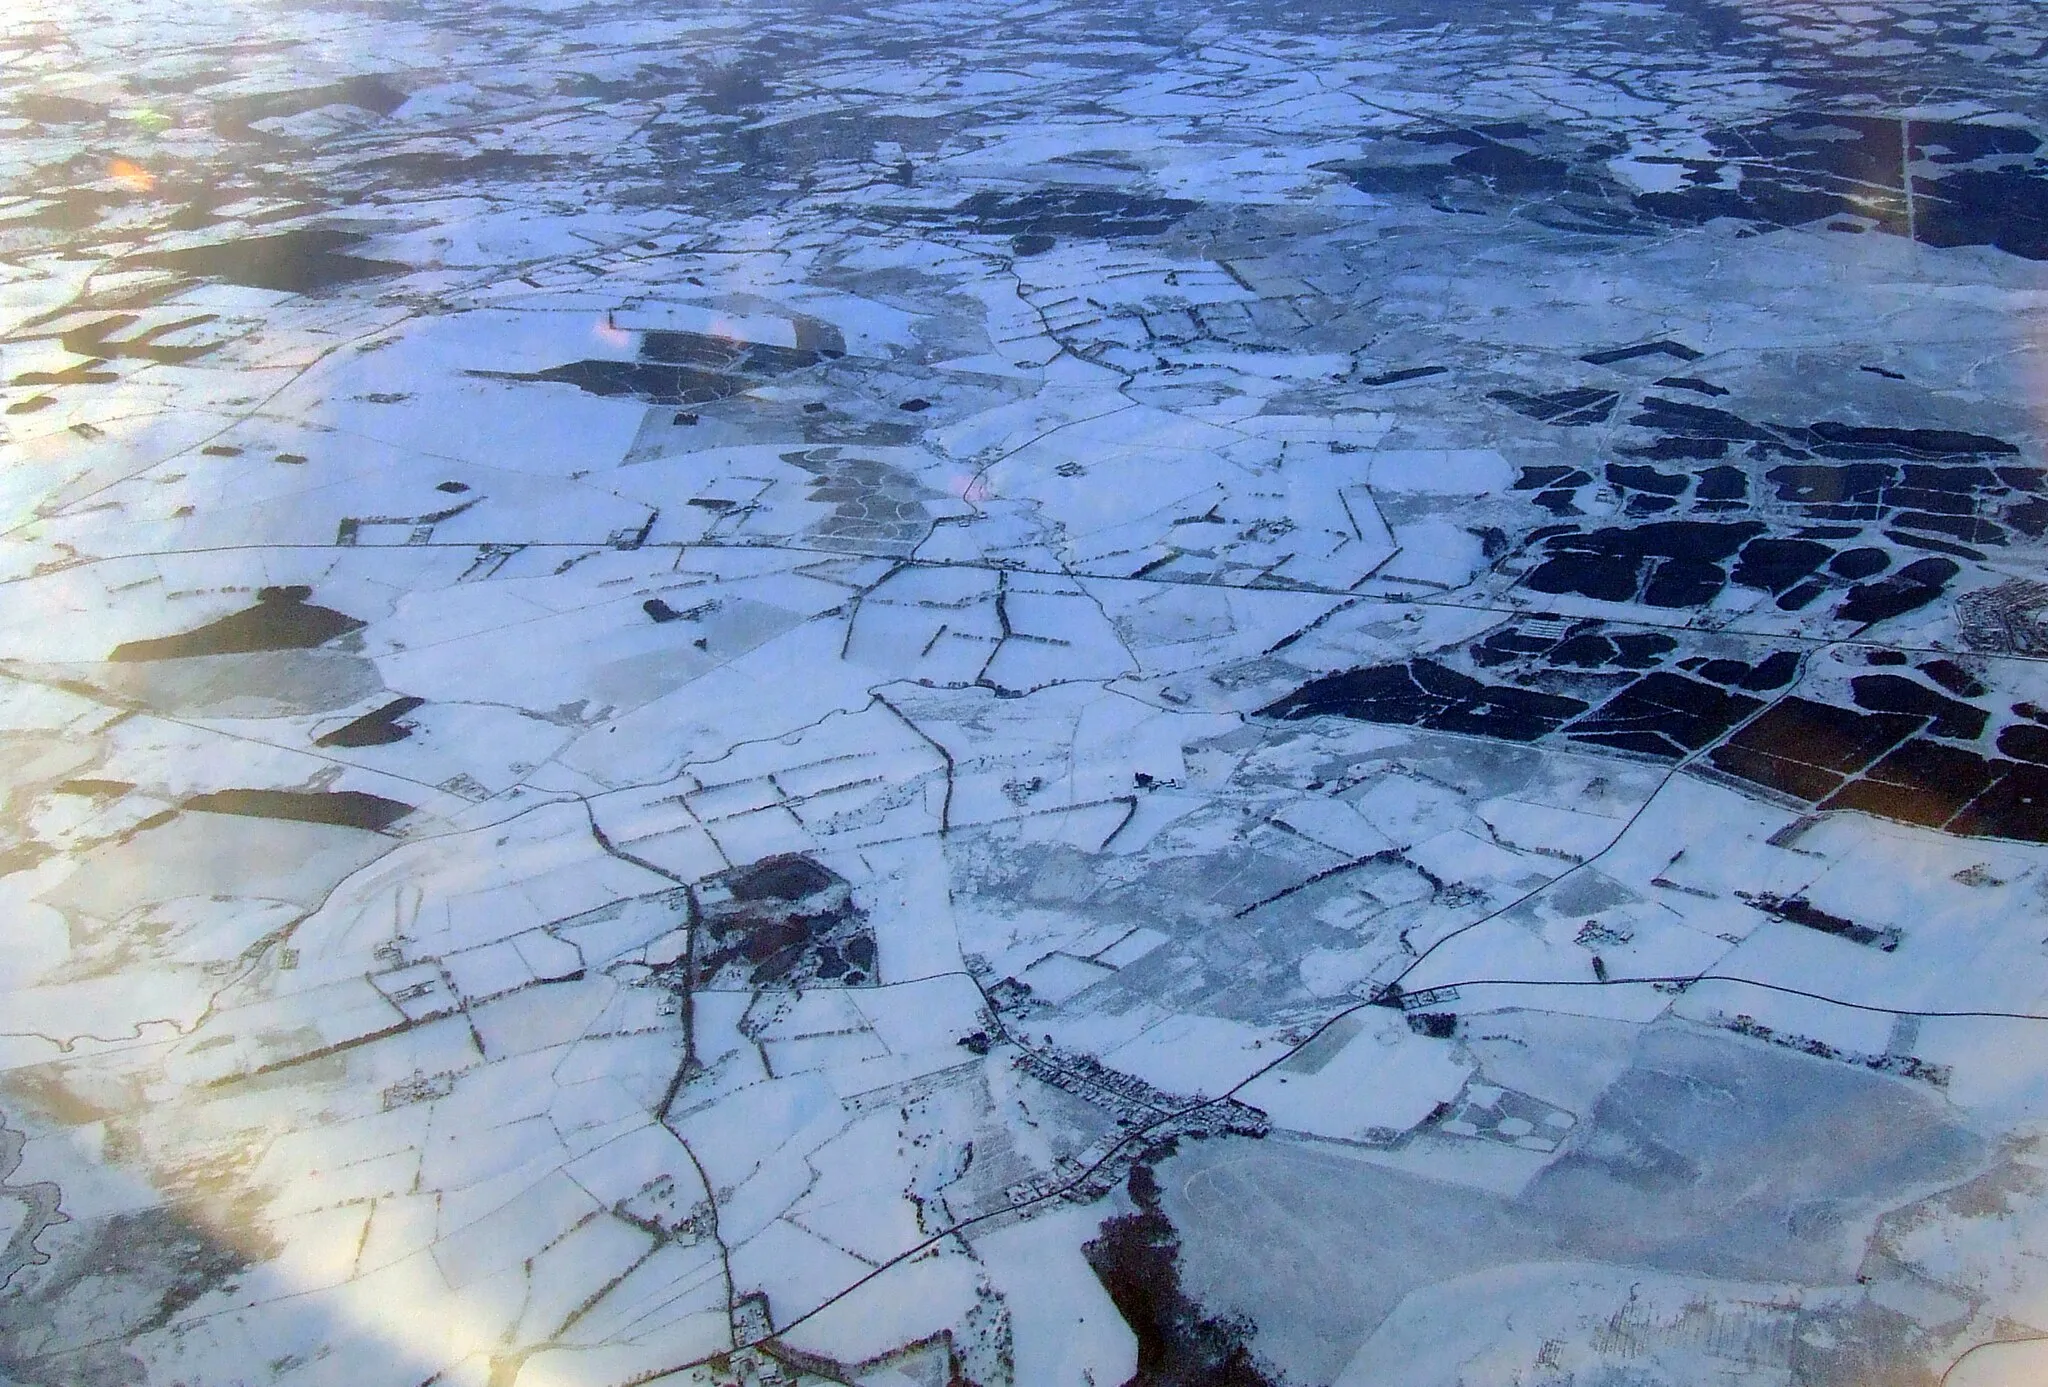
column 1023, row 696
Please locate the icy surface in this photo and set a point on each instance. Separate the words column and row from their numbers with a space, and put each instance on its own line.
column 1019, row 695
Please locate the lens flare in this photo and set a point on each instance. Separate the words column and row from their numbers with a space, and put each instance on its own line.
column 132, row 176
